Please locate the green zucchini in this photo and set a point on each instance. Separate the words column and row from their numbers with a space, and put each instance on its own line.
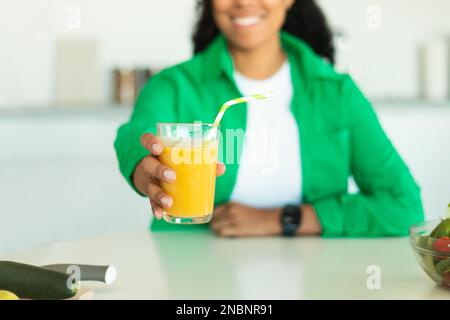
column 32, row 282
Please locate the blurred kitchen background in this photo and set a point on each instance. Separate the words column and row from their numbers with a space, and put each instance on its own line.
column 70, row 71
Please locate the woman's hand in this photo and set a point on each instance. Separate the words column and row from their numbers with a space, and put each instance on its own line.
column 237, row 220
column 150, row 172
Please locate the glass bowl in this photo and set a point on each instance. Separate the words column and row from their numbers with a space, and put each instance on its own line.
column 433, row 254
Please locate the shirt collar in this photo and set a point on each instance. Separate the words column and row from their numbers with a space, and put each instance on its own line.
column 218, row 60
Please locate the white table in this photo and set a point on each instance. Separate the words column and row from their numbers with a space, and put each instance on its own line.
column 203, row 266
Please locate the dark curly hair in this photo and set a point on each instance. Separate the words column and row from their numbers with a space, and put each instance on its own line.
column 304, row 19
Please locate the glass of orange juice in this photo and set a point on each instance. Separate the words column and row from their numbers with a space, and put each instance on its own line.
column 191, row 150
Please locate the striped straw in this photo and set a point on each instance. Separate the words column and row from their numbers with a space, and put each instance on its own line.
column 226, row 105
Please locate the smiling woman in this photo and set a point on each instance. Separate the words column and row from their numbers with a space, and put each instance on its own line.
column 322, row 129
column 303, row 18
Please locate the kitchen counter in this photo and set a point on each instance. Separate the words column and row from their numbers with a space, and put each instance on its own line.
column 203, row 266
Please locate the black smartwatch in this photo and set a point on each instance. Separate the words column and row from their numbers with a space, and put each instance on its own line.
column 291, row 218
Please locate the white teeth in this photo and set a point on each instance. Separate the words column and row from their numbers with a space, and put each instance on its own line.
column 247, row 21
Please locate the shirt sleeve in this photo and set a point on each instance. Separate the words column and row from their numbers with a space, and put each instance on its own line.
column 156, row 103
column 389, row 199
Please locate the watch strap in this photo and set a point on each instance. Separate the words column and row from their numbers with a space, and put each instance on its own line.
column 291, row 217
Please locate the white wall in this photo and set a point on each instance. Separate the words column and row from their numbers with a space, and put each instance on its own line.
column 421, row 134
column 385, row 60
column 132, row 32
column 157, row 33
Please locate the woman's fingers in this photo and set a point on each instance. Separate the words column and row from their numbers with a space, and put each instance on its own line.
column 157, row 170
column 219, row 210
column 161, row 199
column 220, row 213
column 223, row 227
column 223, row 223
column 220, row 170
column 156, row 209
column 154, row 170
column 152, row 143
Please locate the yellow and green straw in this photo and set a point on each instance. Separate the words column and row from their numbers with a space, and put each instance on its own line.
column 226, row 105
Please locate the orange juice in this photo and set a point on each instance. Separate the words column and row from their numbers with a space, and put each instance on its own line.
column 193, row 190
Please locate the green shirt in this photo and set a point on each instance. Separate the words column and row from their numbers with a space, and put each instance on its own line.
column 341, row 137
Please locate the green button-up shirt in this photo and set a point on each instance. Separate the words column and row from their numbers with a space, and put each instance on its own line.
column 341, row 137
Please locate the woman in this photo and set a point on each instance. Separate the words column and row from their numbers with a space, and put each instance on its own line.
column 326, row 129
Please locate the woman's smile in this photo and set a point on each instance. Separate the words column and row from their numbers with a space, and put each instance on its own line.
column 248, row 25
column 247, row 21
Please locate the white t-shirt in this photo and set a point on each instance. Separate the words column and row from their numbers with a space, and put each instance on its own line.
column 270, row 169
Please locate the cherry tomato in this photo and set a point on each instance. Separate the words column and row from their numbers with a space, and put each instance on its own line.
column 446, row 279
column 442, row 244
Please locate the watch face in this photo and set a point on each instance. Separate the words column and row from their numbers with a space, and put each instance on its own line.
column 288, row 219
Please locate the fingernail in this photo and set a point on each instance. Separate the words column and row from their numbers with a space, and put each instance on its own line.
column 167, row 202
column 156, row 147
column 158, row 214
column 169, row 175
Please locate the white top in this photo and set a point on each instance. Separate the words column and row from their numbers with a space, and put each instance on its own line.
column 270, row 169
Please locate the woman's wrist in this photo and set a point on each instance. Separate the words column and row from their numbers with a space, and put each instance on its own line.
column 275, row 222
column 310, row 224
